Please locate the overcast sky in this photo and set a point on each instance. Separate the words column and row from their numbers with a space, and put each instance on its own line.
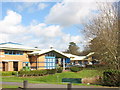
column 45, row 24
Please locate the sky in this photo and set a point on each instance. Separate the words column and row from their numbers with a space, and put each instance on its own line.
column 45, row 24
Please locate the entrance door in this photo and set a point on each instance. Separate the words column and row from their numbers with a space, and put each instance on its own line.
column 15, row 66
column 5, row 66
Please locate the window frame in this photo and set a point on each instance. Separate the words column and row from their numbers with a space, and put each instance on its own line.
column 13, row 52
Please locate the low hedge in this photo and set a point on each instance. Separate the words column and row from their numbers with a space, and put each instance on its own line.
column 97, row 66
column 75, row 69
column 37, row 72
column 59, row 70
column 51, row 71
column 111, row 78
column 8, row 73
column 32, row 73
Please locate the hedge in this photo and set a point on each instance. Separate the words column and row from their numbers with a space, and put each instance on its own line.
column 32, row 73
column 97, row 66
column 37, row 72
column 75, row 69
column 111, row 78
column 8, row 73
column 59, row 70
column 51, row 71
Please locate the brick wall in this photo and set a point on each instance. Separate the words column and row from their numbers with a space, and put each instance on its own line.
column 21, row 58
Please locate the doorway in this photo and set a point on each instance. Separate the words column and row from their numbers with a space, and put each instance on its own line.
column 15, row 66
column 4, row 66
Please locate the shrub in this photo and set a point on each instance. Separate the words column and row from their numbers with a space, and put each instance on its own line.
column 7, row 73
column 92, row 80
column 111, row 78
column 51, row 71
column 59, row 70
column 32, row 73
column 97, row 66
column 14, row 73
column 75, row 69
column 25, row 69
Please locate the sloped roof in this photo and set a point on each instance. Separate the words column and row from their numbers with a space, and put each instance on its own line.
column 90, row 54
column 75, row 57
column 43, row 51
column 16, row 46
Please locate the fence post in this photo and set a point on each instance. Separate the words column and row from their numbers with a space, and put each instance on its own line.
column 25, row 84
column 69, row 86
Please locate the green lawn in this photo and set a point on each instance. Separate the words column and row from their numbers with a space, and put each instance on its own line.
column 9, row 86
column 56, row 78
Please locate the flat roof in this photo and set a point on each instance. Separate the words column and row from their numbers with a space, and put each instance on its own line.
column 16, row 46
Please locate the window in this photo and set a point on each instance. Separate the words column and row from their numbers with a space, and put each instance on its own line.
column 50, row 54
column 13, row 52
column 50, row 63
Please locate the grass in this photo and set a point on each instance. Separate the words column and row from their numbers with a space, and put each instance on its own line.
column 9, row 86
column 56, row 78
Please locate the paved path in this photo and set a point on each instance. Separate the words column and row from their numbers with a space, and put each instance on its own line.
column 31, row 85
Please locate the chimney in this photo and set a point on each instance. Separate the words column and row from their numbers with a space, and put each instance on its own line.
column 51, row 47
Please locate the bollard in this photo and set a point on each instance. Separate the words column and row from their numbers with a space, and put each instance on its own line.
column 25, row 84
column 17, row 74
column 69, row 86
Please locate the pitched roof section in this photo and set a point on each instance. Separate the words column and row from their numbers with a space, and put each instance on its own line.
column 44, row 51
column 75, row 57
column 16, row 46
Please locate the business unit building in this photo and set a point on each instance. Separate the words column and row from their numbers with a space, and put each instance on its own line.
column 14, row 56
column 48, row 59
column 79, row 60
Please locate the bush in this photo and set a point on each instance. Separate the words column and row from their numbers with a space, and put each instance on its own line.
column 51, row 71
column 59, row 70
column 32, row 73
column 7, row 73
column 25, row 69
column 75, row 69
column 97, row 66
column 14, row 73
column 111, row 78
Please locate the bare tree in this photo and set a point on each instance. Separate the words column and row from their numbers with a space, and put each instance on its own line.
column 105, row 31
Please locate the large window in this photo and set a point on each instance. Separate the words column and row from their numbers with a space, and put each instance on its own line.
column 13, row 52
column 50, row 63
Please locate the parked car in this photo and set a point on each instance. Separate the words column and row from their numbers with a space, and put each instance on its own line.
column 82, row 65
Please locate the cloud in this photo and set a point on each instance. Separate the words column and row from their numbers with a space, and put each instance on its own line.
column 31, row 6
column 68, row 13
column 42, row 6
column 39, row 34
column 12, row 18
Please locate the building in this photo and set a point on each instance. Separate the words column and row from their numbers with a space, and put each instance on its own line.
column 14, row 56
column 79, row 60
column 48, row 59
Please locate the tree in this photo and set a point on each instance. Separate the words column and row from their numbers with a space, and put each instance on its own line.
column 86, row 51
column 73, row 49
column 105, row 31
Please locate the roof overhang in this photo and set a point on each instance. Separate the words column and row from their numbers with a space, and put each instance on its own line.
column 21, row 49
column 47, row 51
column 10, row 60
